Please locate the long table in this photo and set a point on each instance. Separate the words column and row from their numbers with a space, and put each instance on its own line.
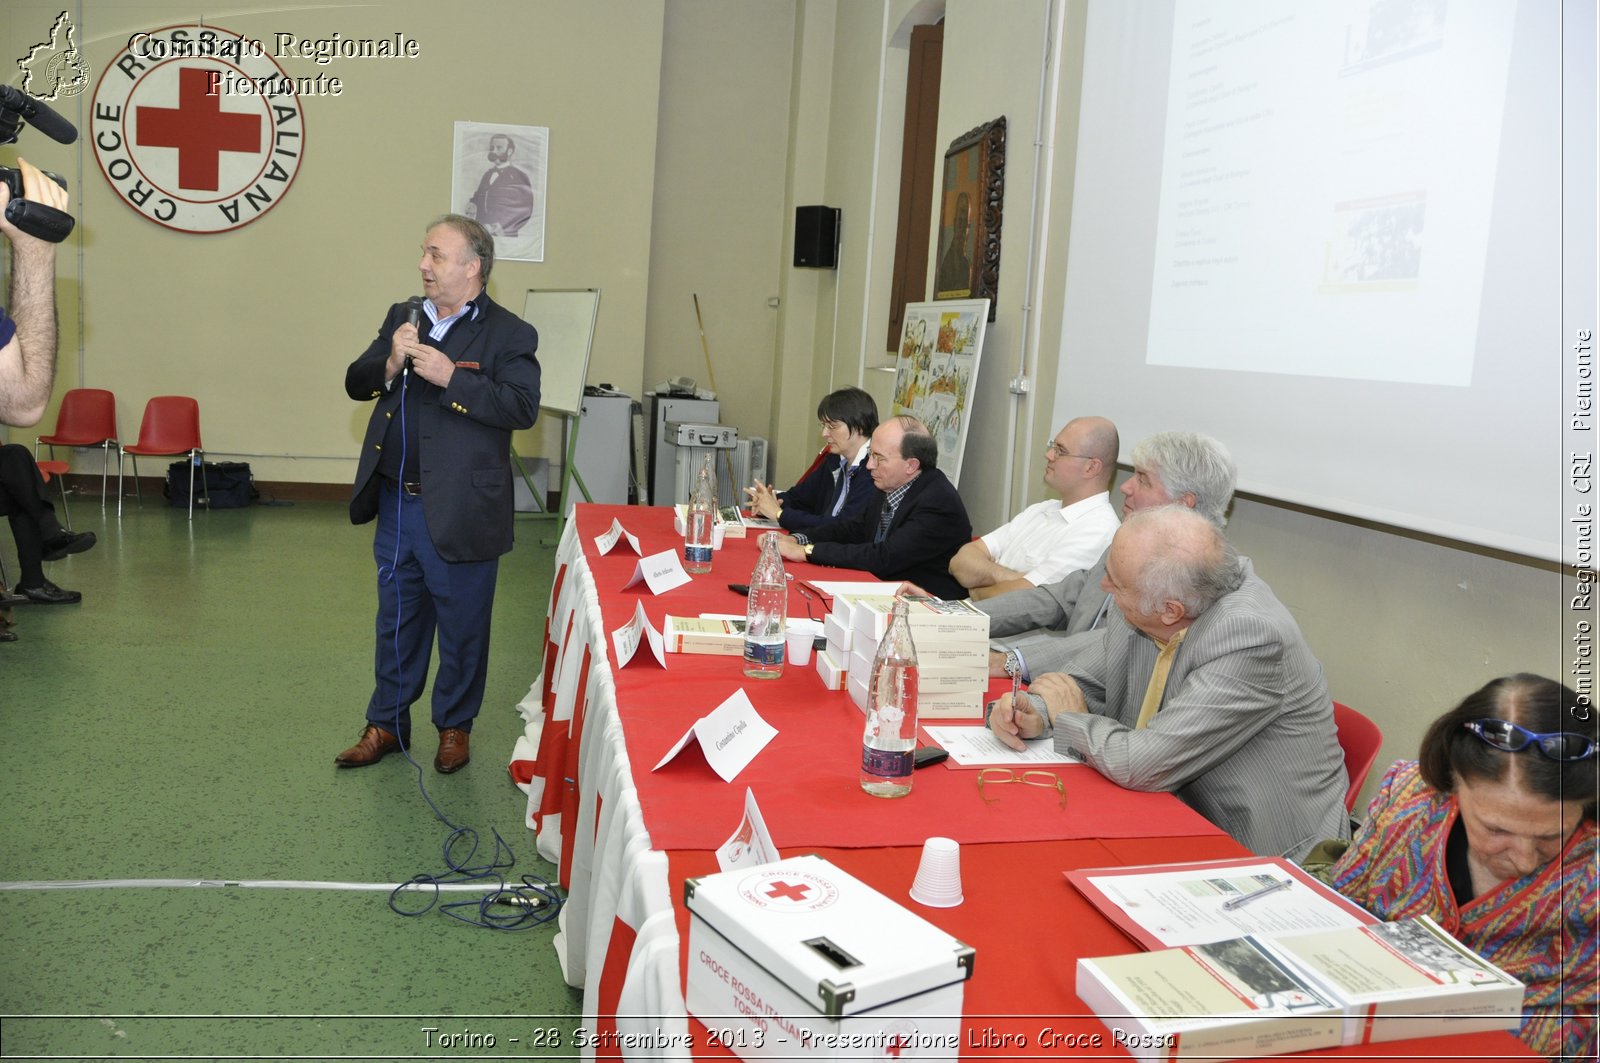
column 625, row 837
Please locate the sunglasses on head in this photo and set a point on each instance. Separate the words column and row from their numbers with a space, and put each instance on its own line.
column 1556, row 745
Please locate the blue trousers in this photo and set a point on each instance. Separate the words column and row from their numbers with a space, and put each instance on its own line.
column 418, row 594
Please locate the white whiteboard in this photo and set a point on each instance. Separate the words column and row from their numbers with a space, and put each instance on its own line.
column 564, row 318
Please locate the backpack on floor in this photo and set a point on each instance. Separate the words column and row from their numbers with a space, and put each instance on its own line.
column 228, row 484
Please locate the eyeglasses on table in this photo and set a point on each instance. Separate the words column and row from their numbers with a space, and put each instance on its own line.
column 1044, row 780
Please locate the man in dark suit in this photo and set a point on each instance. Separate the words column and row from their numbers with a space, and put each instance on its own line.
column 910, row 531
column 435, row 471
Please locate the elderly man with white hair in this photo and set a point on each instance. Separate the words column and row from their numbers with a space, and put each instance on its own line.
column 1200, row 684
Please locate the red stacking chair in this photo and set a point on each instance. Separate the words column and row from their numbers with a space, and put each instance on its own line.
column 87, row 418
column 1360, row 738
column 171, row 425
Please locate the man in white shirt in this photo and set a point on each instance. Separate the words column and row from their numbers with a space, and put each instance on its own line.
column 1048, row 540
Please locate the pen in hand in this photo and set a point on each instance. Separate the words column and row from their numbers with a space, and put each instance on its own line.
column 1241, row 901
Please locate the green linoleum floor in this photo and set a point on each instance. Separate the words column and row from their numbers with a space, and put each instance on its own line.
column 181, row 723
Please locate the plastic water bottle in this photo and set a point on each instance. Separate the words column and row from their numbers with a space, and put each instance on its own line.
column 699, row 524
column 890, row 740
column 766, row 614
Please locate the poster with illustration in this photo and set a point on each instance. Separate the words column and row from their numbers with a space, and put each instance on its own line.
column 936, row 368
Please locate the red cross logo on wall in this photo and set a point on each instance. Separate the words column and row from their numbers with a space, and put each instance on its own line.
column 898, row 1045
column 199, row 128
column 788, row 891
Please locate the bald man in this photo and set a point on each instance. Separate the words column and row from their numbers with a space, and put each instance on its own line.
column 1050, row 539
column 1239, row 726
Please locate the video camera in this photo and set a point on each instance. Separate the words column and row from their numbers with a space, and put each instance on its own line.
column 17, row 109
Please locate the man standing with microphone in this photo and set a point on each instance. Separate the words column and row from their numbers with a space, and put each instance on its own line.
column 452, row 378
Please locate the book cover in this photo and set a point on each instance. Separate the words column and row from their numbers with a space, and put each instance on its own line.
column 1225, row 999
column 692, row 634
column 1405, row 979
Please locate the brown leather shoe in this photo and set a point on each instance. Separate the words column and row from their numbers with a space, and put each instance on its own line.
column 453, row 755
column 375, row 744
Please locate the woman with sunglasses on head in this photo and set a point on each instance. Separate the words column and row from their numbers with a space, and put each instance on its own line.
column 1491, row 832
column 840, row 486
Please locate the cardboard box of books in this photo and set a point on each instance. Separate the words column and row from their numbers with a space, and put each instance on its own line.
column 838, row 636
column 971, row 653
column 1259, row 995
column 800, row 960
column 932, row 620
column 942, row 693
column 830, row 670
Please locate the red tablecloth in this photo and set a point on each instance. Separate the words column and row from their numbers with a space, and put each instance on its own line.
column 1029, row 928
column 806, row 779
column 626, row 837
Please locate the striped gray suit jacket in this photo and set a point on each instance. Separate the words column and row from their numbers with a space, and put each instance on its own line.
column 1040, row 615
column 1245, row 733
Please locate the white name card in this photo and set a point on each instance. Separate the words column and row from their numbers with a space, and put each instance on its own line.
column 750, row 844
column 608, row 538
column 730, row 736
column 660, row 572
column 625, row 640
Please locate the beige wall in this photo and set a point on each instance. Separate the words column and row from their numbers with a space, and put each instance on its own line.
column 259, row 323
column 721, row 178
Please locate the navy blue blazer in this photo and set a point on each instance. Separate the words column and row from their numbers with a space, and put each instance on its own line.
column 927, row 530
column 464, row 431
column 810, row 502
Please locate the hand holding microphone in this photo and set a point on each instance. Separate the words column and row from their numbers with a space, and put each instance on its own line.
column 427, row 362
column 404, row 339
column 414, row 319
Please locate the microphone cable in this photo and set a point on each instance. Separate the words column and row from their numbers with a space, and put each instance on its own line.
column 524, row 906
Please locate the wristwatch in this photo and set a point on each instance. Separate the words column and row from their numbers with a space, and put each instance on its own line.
column 809, row 548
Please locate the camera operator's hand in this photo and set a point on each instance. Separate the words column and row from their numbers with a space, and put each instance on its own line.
column 28, row 361
column 36, row 188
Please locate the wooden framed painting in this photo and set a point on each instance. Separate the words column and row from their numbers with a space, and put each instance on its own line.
column 969, row 215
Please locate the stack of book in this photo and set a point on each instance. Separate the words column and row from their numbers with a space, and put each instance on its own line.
column 952, row 640
column 1311, row 971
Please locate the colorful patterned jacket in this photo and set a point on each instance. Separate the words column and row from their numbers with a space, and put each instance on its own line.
column 1539, row 929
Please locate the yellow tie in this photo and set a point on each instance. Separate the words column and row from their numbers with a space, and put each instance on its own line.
column 1158, row 679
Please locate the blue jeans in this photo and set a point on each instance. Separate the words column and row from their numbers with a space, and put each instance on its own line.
column 419, row 593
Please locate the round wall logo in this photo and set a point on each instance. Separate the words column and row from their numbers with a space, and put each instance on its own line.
column 197, row 128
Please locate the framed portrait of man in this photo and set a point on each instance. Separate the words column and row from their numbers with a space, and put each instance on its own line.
column 498, row 178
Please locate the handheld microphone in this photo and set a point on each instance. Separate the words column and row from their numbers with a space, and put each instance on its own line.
column 38, row 114
column 414, row 319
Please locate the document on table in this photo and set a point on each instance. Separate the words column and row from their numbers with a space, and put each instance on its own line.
column 972, row 747
column 1167, row 905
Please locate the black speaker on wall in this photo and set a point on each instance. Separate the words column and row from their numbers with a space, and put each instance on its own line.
column 816, row 237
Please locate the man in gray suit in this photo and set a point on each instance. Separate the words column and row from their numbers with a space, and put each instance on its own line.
column 1182, row 467
column 1201, row 685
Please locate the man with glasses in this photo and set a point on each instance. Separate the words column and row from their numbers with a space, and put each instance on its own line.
column 1201, row 685
column 1171, row 467
column 911, row 528
column 1050, row 539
